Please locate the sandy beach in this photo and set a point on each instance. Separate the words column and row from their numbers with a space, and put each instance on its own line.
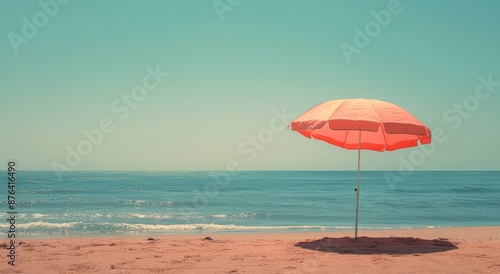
column 438, row 250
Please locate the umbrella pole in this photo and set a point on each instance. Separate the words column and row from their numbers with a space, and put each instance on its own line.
column 357, row 188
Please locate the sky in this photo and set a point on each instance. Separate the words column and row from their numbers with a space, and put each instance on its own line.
column 211, row 85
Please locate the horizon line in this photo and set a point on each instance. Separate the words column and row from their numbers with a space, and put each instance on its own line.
column 263, row 170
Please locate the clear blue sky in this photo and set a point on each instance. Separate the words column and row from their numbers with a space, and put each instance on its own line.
column 65, row 67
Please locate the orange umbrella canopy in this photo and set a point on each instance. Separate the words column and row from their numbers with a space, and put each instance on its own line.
column 383, row 126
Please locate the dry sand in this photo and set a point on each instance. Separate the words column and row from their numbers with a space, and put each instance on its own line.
column 440, row 250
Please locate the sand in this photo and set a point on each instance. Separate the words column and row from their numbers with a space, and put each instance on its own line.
column 439, row 250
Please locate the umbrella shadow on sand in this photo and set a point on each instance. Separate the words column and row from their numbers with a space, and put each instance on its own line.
column 378, row 245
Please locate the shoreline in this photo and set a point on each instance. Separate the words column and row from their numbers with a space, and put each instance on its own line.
column 442, row 250
column 248, row 232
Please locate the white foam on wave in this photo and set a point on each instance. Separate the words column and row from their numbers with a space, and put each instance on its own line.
column 245, row 215
column 239, row 215
column 139, row 202
column 40, row 224
column 217, row 227
column 155, row 216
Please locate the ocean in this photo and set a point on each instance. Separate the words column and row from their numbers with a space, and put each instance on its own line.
column 94, row 203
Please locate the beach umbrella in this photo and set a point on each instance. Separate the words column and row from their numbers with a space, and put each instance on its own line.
column 358, row 124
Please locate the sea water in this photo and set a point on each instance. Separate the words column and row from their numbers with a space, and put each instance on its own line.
column 89, row 203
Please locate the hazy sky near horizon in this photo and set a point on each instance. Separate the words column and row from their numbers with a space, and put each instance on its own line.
column 238, row 71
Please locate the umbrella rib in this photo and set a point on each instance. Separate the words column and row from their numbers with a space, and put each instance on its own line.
column 345, row 139
column 383, row 134
column 337, row 109
column 381, row 124
column 375, row 108
column 333, row 114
